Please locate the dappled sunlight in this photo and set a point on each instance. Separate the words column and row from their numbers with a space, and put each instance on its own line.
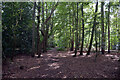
column 83, row 56
column 60, row 55
column 89, row 56
column 84, row 53
column 60, row 72
column 64, row 76
column 114, row 57
column 116, row 67
column 54, row 65
column 72, row 54
column 44, row 75
column 102, row 75
column 69, row 52
column 36, row 55
column 36, row 67
column 49, row 55
column 55, row 59
column 108, row 55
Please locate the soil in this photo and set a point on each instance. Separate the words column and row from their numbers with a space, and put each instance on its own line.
column 61, row 64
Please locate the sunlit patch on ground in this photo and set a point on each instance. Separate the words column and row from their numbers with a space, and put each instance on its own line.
column 89, row 56
column 114, row 57
column 54, row 65
column 84, row 53
column 108, row 55
column 44, row 75
column 36, row 67
column 64, row 76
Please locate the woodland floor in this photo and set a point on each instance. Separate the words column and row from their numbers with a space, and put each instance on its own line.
column 61, row 64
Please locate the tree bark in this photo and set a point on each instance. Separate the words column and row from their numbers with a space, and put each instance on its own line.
column 93, row 28
column 96, row 39
column 43, row 28
column 33, row 32
column 76, row 33
column 81, row 52
column 119, row 29
column 109, row 28
column 72, row 40
column 102, row 23
column 38, row 35
column 53, row 9
column 47, row 29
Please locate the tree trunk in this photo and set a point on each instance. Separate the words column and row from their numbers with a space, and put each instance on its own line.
column 96, row 39
column 93, row 28
column 79, row 24
column 119, row 29
column 43, row 27
column 109, row 28
column 102, row 23
column 81, row 52
column 38, row 35
column 99, row 40
column 72, row 40
column 76, row 33
column 47, row 29
column 33, row 32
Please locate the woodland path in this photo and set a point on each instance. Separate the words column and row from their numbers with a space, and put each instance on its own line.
column 61, row 64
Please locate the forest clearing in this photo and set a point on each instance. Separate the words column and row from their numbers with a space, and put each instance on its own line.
column 60, row 64
column 61, row 39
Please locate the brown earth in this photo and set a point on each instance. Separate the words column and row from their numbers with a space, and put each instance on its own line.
column 61, row 64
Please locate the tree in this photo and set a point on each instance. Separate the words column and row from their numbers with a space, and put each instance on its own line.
column 17, row 21
column 109, row 28
column 81, row 52
column 76, row 33
column 72, row 39
column 38, row 34
column 102, row 24
column 33, row 33
column 93, row 28
column 119, row 30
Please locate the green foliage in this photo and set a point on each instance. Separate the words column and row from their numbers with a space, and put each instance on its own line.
column 16, row 20
column 17, row 25
column 61, row 49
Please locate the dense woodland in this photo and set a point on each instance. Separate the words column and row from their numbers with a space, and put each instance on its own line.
column 34, row 28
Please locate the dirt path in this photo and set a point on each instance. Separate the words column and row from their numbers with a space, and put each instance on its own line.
column 61, row 64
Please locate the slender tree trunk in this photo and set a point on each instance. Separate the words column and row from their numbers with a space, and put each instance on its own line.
column 93, row 28
column 47, row 29
column 70, row 27
column 102, row 23
column 79, row 24
column 81, row 52
column 96, row 39
column 43, row 27
column 119, row 29
column 33, row 32
column 53, row 9
column 105, row 35
column 109, row 28
column 99, row 40
column 76, row 33
column 38, row 35
column 72, row 40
